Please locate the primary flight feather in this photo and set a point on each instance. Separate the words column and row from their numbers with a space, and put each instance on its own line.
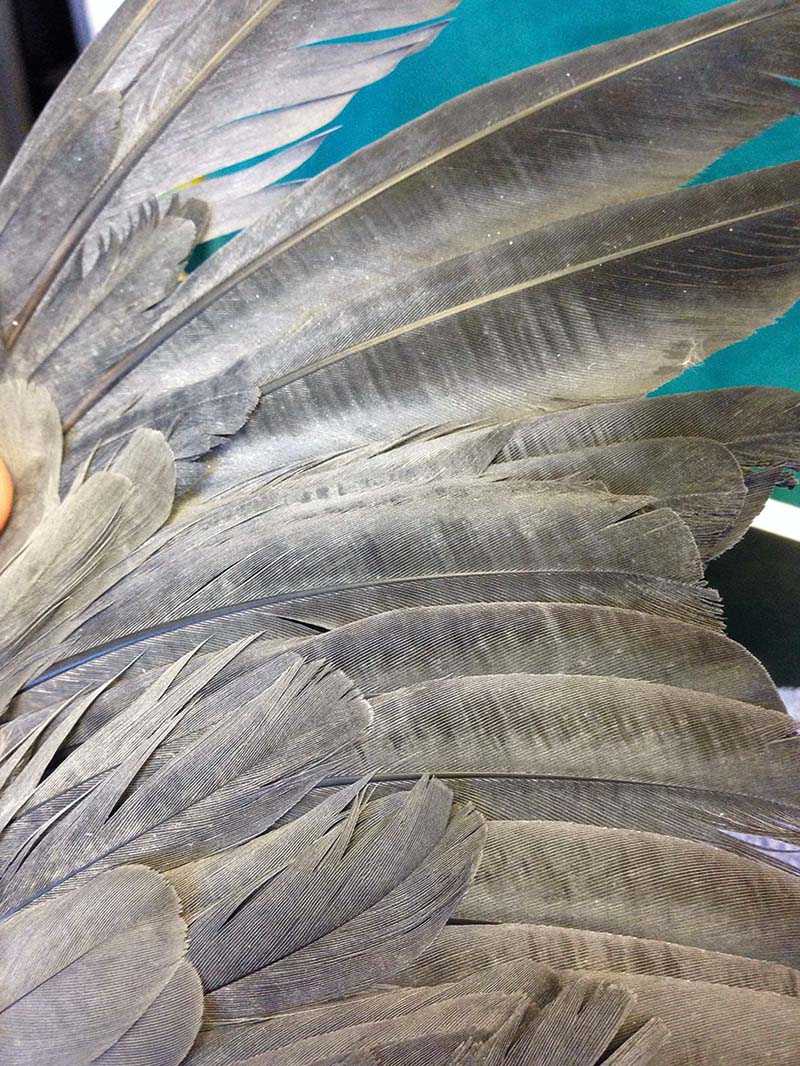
column 363, row 699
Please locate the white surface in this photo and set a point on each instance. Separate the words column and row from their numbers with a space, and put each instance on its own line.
column 783, row 519
column 98, row 12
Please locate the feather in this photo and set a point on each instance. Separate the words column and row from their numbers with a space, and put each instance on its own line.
column 100, row 308
column 640, row 592
column 80, row 770
column 572, row 725
column 241, row 197
column 353, row 909
column 30, row 444
column 440, row 1029
column 449, row 494
column 18, row 737
column 207, row 411
column 566, row 948
column 223, row 784
column 415, row 335
column 732, row 1024
column 764, row 830
column 575, row 1029
column 377, row 1013
column 258, row 559
column 172, row 690
column 550, row 311
column 48, row 739
column 392, row 650
column 447, row 453
column 707, row 1022
column 240, row 562
column 307, row 89
column 732, row 416
column 204, row 883
column 397, row 870
column 384, row 1023
column 699, row 479
column 69, row 165
column 653, row 542
column 70, row 556
column 205, row 77
column 740, row 418
column 430, row 179
column 658, row 887
column 117, row 944
column 169, row 1025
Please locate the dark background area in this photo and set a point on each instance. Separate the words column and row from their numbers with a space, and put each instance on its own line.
column 48, row 45
column 37, row 47
column 760, row 584
column 759, row 579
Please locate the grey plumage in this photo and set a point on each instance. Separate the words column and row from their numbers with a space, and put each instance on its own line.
column 364, row 701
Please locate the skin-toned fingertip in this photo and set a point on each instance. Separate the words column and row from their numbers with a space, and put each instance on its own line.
column 6, row 494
